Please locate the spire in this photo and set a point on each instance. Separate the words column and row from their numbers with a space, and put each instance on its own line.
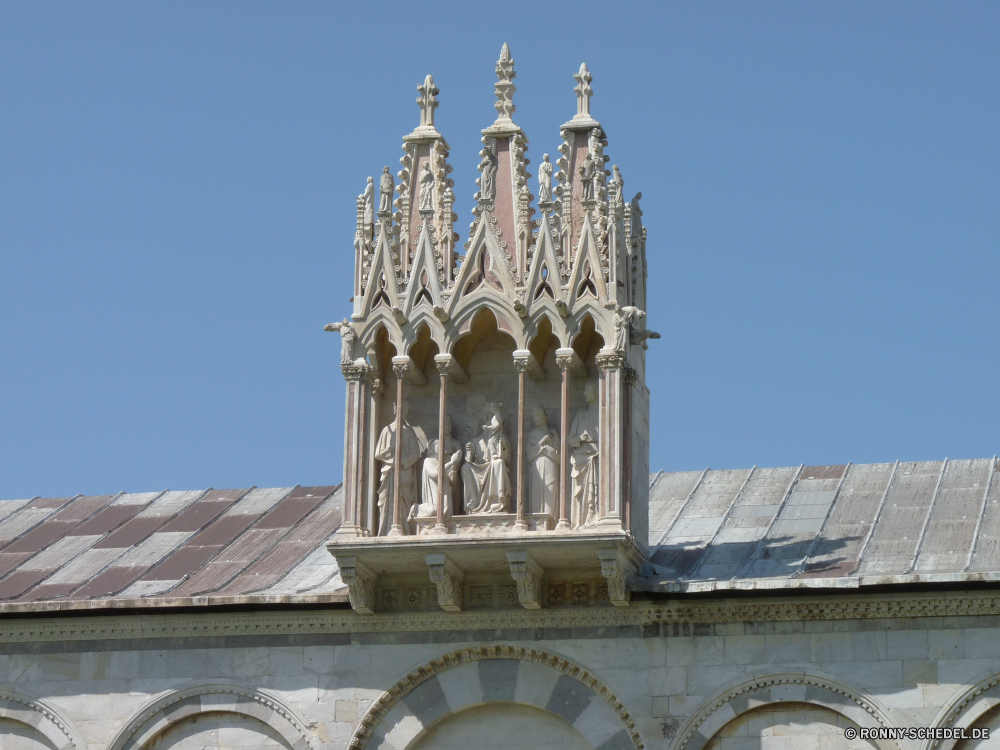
column 427, row 101
column 582, row 120
column 504, row 89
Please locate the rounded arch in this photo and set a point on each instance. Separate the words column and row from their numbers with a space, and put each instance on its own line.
column 213, row 697
column 803, row 687
column 46, row 719
column 966, row 707
column 497, row 673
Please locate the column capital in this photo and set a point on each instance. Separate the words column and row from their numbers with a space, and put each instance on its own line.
column 568, row 359
column 610, row 359
column 447, row 365
column 528, row 575
column 524, row 361
column 448, row 578
column 354, row 371
column 404, row 367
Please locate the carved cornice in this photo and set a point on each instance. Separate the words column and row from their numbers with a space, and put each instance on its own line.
column 381, row 706
column 640, row 613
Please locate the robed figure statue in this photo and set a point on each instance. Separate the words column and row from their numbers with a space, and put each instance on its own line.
column 431, row 476
column 406, row 475
column 584, row 437
column 543, row 473
column 485, row 478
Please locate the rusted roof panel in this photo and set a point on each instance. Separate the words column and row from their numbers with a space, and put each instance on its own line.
column 26, row 518
column 901, row 523
column 106, row 520
column 132, row 532
column 951, row 530
column 837, row 551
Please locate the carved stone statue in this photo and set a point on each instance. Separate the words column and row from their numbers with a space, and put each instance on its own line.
column 347, row 338
column 623, row 320
column 385, row 190
column 385, row 451
column 545, row 180
column 369, row 198
column 427, row 101
column 583, row 92
column 583, row 439
column 543, row 475
column 587, row 173
column 485, row 477
column 617, row 186
column 426, row 188
column 636, row 216
column 488, row 187
column 430, row 475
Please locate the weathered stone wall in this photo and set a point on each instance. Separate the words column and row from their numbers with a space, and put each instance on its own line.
column 723, row 686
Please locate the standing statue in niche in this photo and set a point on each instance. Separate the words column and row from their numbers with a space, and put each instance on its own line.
column 488, row 186
column 636, row 216
column 617, row 186
column 347, row 338
column 385, row 451
column 623, row 323
column 587, row 173
column 485, row 478
column 426, row 188
column 583, row 439
column 369, row 201
column 543, row 475
column 431, row 476
column 385, row 190
column 545, row 180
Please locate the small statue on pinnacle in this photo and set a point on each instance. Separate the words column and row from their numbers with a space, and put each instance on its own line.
column 583, row 92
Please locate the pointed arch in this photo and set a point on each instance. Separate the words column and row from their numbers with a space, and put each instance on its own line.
column 543, row 339
column 588, row 273
column 474, row 264
column 587, row 340
column 477, row 325
column 422, row 347
column 425, row 284
column 544, row 278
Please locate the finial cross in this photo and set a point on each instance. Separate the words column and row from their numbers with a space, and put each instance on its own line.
column 427, row 101
column 583, row 92
column 503, row 88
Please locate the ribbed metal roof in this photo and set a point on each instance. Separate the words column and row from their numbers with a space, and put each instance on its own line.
column 845, row 526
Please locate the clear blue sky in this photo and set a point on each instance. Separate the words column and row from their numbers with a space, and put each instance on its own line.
column 177, row 180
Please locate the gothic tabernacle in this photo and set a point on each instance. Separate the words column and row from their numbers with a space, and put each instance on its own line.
column 456, row 361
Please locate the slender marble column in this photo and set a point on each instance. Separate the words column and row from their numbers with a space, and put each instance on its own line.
column 564, row 363
column 521, row 363
column 376, row 392
column 397, row 459
column 439, row 527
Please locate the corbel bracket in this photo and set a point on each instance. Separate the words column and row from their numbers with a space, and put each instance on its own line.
column 568, row 359
column 409, row 370
column 360, row 582
column 448, row 578
column 447, row 363
column 523, row 358
column 619, row 570
column 528, row 576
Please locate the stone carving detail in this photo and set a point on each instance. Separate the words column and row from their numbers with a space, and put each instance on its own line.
column 427, row 508
column 385, row 451
column 583, row 439
column 347, row 339
column 543, row 457
column 487, row 183
column 427, row 101
column 386, row 187
column 617, row 188
column 545, row 180
column 447, row 578
column 360, row 584
column 623, row 322
column 504, row 88
column 588, row 173
column 426, row 189
column 485, row 476
column 583, row 92
column 528, row 576
column 616, row 567
column 368, row 198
